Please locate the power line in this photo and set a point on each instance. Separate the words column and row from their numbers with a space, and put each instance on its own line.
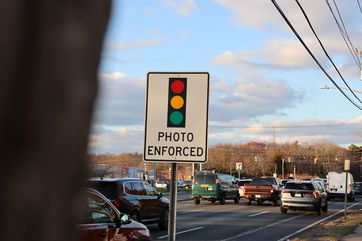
column 344, row 34
column 276, row 127
column 310, row 53
column 324, row 50
column 359, row 5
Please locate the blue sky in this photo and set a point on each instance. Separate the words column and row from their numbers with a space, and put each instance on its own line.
column 261, row 76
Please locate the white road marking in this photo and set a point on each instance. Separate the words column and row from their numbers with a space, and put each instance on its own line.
column 256, row 214
column 315, row 223
column 185, row 231
column 261, row 228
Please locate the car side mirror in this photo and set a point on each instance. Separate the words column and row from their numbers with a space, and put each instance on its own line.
column 159, row 195
column 125, row 219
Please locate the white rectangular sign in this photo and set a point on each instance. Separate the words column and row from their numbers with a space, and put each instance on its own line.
column 239, row 166
column 176, row 120
column 347, row 164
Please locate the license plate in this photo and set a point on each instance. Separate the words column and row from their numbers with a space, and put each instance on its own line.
column 258, row 196
column 298, row 195
column 209, row 188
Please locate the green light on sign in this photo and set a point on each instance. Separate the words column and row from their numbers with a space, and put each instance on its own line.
column 176, row 117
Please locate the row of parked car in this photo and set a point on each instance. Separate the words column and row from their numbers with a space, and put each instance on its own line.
column 312, row 194
column 117, row 207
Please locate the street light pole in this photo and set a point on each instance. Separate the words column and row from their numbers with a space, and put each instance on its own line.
column 346, row 169
column 330, row 87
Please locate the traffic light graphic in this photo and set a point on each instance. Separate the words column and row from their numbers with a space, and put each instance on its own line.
column 176, row 114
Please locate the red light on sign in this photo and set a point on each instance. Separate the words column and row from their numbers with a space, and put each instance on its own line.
column 177, row 86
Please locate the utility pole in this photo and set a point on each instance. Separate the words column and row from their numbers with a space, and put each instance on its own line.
column 145, row 170
column 347, row 164
column 359, row 54
column 294, row 173
column 273, row 133
column 192, row 171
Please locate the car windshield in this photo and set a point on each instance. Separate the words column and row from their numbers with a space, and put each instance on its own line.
column 205, row 179
column 108, row 189
column 242, row 183
column 299, row 186
column 267, row 181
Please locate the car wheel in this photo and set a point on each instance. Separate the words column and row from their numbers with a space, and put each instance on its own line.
column 163, row 224
column 325, row 207
column 248, row 201
column 283, row 210
column 135, row 216
column 223, row 198
column 318, row 210
column 237, row 199
column 213, row 200
column 197, row 201
column 259, row 202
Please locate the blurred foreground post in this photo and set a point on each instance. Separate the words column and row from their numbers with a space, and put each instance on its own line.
column 50, row 52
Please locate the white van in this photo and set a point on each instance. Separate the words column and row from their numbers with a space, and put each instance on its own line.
column 336, row 185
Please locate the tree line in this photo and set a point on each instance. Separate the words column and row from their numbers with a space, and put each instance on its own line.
column 259, row 159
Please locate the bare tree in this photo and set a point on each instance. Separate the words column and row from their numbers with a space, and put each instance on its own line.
column 50, row 53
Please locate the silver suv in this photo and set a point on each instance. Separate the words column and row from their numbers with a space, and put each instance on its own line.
column 304, row 195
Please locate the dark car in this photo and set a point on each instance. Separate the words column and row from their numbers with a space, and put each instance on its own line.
column 357, row 187
column 187, row 184
column 101, row 219
column 135, row 197
column 305, row 195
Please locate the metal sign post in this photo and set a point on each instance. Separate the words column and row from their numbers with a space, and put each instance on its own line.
column 346, row 168
column 173, row 198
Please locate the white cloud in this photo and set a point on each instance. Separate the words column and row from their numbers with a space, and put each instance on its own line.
column 182, row 7
column 341, row 132
column 262, row 15
column 120, row 101
column 120, row 114
column 289, row 53
column 249, row 98
column 117, row 141
column 254, row 13
column 134, row 44
column 278, row 53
